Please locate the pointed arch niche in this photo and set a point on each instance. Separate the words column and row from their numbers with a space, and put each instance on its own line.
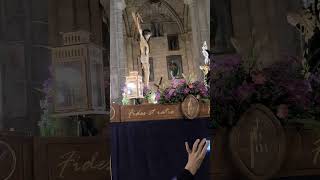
column 164, row 21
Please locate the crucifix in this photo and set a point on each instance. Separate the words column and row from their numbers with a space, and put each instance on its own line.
column 144, row 47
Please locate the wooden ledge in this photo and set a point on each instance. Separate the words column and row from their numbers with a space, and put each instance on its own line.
column 151, row 112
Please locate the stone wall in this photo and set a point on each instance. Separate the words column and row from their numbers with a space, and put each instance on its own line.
column 188, row 19
column 159, row 53
column 24, row 51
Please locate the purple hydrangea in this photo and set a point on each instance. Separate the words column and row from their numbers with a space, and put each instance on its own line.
column 158, row 95
column 177, row 82
column 167, row 96
column 245, row 91
column 171, row 92
column 259, row 78
column 146, row 91
column 299, row 92
column 315, row 78
column 47, row 85
column 186, row 91
column 180, row 88
column 124, row 89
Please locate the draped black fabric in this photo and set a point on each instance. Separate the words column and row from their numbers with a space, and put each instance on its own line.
column 155, row 150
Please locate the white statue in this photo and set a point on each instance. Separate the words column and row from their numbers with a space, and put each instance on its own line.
column 205, row 68
column 144, row 47
column 205, row 53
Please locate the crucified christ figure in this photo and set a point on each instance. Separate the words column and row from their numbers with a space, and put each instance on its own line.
column 144, row 47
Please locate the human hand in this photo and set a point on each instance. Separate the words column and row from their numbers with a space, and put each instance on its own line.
column 196, row 155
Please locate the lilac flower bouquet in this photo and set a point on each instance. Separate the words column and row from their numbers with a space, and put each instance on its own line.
column 46, row 124
column 181, row 88
column 281, row 87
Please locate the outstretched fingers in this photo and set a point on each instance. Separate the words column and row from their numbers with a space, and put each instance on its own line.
column 187, row 147
column 201, row 146
column 195, row 146
column 204, row 150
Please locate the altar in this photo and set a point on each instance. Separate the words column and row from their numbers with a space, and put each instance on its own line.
column 159, row 93
column 147, row 141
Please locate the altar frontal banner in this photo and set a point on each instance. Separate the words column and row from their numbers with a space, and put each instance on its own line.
column 155, row 150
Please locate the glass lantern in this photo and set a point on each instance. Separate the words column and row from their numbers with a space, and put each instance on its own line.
column 134, row 85
column 78, row 76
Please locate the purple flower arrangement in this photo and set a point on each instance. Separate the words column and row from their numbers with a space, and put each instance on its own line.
column 46, row 124
column 47, row 90
column 281, row 87
column 180, row 89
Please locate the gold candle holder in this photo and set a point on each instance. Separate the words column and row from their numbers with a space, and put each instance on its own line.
column 205, row 70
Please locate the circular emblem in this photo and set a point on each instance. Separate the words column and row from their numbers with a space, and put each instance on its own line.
column 257, row 143
column 112, row 113
column 190, row 107
column 8, row 161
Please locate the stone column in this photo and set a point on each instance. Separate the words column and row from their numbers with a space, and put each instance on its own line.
column 187, row 39
column 118, row 60
column 196, row 48
column 135, row 55
column 129, row 53
column 204, row 21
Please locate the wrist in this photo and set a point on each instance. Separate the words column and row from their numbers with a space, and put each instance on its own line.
column 190, row 169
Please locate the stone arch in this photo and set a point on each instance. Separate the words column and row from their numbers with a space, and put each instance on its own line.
column 163, row 9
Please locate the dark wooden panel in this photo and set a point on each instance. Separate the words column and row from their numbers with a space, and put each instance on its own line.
column 115, row 113
column 302, row 155
column 257, row 143
column 71, row 158
column 204, row 110
column 220, row 158
column 15, row 158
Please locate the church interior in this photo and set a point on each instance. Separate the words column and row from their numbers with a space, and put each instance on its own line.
column 178, row 30
column 159, row 89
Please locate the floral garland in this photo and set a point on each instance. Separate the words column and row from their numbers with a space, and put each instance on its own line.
column 281, row 87
column 181, row 88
